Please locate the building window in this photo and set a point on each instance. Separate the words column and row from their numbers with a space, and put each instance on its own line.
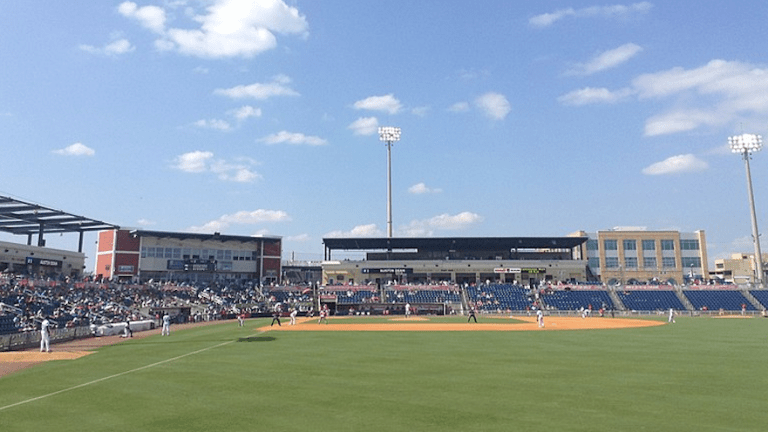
column 630, row 244
column 668, row 262
column 630, row 262
column 667, row 245
column 691, row 262
column 649, row 262
column 592, row 245
column 611, row 262
column 610, row 245
column 689, row 245
column 168, row 252
column 649, row 245
column 594, row 262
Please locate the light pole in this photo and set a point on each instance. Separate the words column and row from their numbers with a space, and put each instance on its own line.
column 746, row 144
column 389, row 134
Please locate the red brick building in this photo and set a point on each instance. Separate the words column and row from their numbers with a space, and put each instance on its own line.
column 190, row 257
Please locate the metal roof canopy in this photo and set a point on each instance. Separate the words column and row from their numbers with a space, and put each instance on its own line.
column 200, row 236
column 23, row 218
column 452, row 243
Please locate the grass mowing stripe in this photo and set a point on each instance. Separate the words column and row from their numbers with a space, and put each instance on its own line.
column 119, row 374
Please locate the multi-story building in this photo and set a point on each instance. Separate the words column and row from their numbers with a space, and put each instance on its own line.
column 739, row 268
column 173, row 256
column 634, row 255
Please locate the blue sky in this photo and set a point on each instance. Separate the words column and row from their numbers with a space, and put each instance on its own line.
column 260, row 117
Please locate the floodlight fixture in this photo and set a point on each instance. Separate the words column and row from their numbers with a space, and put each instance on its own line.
column 745, row 145
column 389, row 134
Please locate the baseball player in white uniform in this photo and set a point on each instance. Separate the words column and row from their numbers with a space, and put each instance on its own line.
column 166, row 325
column 45, row 336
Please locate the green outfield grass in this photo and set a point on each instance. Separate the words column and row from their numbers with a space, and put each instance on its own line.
column 700, row 374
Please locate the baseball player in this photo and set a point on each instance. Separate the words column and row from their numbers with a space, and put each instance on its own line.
column 166, row 325
column 45, row 336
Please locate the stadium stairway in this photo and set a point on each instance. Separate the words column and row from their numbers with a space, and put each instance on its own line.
column 683, row 298
column 751, row 298
column 617, row 303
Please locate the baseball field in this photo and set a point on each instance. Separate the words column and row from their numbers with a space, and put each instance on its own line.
column 420, row 374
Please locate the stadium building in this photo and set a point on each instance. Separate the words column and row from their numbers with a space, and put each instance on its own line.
column 633, row 255
column 739, row 268
column 524, row 260
column 141, row 255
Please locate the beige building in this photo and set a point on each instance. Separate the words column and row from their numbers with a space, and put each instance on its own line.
column 635, row 255
column 739, row 268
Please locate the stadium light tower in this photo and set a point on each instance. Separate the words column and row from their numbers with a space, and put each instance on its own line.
column 389, row 134
column 745, row 145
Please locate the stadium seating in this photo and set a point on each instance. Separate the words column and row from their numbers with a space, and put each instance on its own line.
column 761, row 296
column 499, row 297
column 715, row 300
column 650, row 300
column 575, row 300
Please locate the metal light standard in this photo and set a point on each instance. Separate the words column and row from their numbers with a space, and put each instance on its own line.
column 389, row 134
column 746, row 144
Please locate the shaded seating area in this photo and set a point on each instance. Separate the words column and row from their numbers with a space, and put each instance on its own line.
column 650, row 300
column 499, row 297
column 715, row 300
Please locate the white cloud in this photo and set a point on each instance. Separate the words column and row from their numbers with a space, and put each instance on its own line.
column 676, row 164
column 613, row 11
column 607, row 60
column 227, row 28
column 242, row 218
column 591, row 95
column 421, row 188
column 240, row 170
column 369, row 230
column 120, row 46
column 420, row 111
column 364, row 126
column 245, row 112
column 387, row 103
column 285, row 137
column 193, row 162
column 681, row 121
column 217, row 124
column 494, row 105
column 76, row 149
column 459, row 107
column 151, row 17
column 277, row 87
column 145, row 222
column 443, row 222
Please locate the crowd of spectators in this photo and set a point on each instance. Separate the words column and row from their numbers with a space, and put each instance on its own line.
column 81, row 302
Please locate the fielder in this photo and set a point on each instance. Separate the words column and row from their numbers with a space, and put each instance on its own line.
column 166, row 325
column 45, row 336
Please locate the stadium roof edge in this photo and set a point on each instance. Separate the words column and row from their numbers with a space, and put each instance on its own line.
column 446, row 243
column 201, row 236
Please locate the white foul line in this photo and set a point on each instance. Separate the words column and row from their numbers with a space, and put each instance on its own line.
column 117, row 375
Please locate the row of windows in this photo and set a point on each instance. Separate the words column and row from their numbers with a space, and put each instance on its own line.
column 631, row 244
column 205, row 254
column 648, row 262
